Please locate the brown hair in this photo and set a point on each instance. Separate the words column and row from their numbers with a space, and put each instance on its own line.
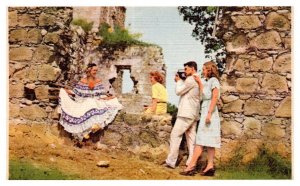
column 157, row 76
column 212, row 69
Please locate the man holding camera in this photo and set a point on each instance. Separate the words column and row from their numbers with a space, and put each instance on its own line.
column 188, row 113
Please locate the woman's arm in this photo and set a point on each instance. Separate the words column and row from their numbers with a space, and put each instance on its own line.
column 198, row 80
column 154, row 104
column 151, row 108
column 215, row 93
column 108, row 97
column 70, row 92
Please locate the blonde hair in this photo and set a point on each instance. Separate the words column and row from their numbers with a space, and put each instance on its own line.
column 212, row 69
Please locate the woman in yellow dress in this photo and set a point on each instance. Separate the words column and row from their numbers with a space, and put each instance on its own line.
column 159, row 95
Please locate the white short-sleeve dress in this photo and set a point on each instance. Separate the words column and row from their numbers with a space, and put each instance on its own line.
column 209, row 135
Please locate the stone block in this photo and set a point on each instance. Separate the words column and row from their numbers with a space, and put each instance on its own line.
column 274, row 82
column 20, row 54
column 261, row 65
column 132, row 119
column 252, row 127
column 27, row 73
column 228, row 150
column 42, row 54
column 52, row 38
column 287, row 43
column 275, row 21
column 48, row 73
column 229, row 98
column 46, row 20
column 282, row 63
column 26, row 20
column 251, row 153
column 41, row 92
column 228, row 83
column 18, row 35
column 247, row 85
column 284, row 109
column 259, row 107
column 14, row 110
column 16, row 91
column 246, row 22
column 238, row 44
column 272, row 132
column 56, row 113
column 12, row 18
column 34, row 36
column 234, row 106
column 240, row 64
column 231, row 129
column 33, row 112
column 267, row 40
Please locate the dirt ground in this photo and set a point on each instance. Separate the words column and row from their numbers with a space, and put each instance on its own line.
column 44, row 147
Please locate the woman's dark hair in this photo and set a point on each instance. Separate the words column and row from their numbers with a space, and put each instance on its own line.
column 89, row 67
column 191, row 64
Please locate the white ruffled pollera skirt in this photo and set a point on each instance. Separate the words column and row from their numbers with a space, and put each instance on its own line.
column 78, row 117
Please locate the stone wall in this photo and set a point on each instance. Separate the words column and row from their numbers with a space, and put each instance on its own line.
column 256, row 84
column 37, row 39
column 47, row 52
column 110, row 15
column 140, row 61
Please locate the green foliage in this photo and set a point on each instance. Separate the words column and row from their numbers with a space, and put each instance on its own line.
column 272, row 163
column 203, row 18
column 85, row 25
column 266, row 166
column 118, row 36
column 171, row 109
column 231, row 174
column 19, row 170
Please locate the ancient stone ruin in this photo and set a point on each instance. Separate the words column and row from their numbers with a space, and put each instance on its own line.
column 46, row 50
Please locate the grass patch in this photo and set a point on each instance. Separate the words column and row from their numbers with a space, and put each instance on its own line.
column 20, row 170
column 230, row 174
column 84, row 24
column 266, row 166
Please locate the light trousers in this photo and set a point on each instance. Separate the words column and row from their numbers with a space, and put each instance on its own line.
column 182, row 125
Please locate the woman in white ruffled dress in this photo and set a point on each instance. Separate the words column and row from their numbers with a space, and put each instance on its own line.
column 92, row 107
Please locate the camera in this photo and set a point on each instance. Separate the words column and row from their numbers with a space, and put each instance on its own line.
column 181, row 74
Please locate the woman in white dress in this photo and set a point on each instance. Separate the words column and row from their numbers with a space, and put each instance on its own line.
column 209, row 131
column 92, row 108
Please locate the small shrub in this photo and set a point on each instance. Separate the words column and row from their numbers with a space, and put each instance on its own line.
column 272, row 163
column 85, row 25
column 118, row 36
column 265, row 166
column 172, row 110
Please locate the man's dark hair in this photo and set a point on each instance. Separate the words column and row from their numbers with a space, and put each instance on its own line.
column 191, row 64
